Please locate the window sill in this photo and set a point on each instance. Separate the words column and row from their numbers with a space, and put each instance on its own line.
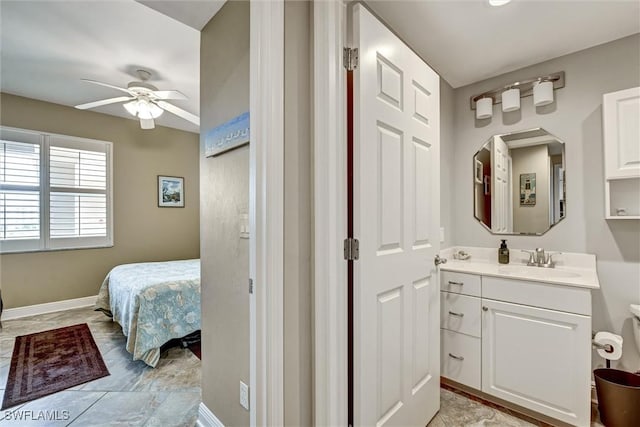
column 30, row 251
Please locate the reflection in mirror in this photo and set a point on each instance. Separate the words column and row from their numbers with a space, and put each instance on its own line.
column 519, row 182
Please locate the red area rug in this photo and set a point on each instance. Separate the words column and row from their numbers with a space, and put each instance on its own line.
column 47, row 362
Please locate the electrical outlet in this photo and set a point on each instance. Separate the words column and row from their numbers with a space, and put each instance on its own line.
column 244, row 395
column 441, row 234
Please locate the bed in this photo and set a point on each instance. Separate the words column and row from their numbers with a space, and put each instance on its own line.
column 154, row 302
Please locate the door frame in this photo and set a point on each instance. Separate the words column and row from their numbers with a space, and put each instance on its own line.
column 266, row 213
column 330, row 213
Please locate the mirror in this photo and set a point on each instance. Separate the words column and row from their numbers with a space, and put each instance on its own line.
column 519, row 182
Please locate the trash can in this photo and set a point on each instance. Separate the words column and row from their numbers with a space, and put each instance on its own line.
column 618, row 397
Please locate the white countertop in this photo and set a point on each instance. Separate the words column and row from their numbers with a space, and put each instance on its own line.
column 571, row 269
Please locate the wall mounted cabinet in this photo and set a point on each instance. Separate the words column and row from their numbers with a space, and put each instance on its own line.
column 621, row 128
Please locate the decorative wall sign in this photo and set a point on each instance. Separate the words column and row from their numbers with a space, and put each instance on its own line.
column 527, row 189
column 227, row 136
column 170, row 192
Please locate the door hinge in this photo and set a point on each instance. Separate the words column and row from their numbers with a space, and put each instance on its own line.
column 250, row 286
column 350, row 58
column 351, row 249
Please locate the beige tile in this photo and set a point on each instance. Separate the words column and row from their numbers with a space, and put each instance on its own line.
column 58, row 409
column 122, row 409
column 171, row 375
column 178, row 409
column 5, row 364
column 6, row 346
column 124, row 376
column 457, row 410
column 133, row 393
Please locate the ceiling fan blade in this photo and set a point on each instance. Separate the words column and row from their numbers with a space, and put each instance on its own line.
column 108, row 85
column 179, row 112
column 147, row 124
column 103, row 102
column 169, row 94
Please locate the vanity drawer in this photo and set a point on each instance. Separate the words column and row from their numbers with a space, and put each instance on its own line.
column 460, row 313
column 538, row 294
column 460, row 358
column 460, row 283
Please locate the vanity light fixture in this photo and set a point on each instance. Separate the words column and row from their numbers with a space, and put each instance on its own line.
column 511, row 100
column 509, row 95
column 542, row 93
column 484, row 108
column 498, row 2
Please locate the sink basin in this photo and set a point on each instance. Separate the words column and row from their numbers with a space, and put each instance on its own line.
column 536, row 272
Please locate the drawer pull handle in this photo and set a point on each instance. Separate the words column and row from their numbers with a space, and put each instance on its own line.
column 485, row 308
column 452, row 313
column 456, row 357
column 455, row 283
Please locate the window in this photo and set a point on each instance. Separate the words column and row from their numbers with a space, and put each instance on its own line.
column 55, row 192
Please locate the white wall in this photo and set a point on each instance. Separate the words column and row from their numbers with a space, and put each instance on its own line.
column 576, row 118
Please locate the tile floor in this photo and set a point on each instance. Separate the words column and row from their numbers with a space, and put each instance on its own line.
column 133, row 395
column 137, row 395
column 458, row 410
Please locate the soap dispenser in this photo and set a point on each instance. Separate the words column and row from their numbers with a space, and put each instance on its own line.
column 503, row 253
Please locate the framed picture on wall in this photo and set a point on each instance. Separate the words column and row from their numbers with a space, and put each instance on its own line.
column 170, row 192
column 527, row 189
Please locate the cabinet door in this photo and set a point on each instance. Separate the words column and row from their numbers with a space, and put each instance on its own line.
column 537, row 358
column 620, row 112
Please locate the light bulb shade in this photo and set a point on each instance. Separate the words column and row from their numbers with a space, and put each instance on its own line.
column 147, row 124
column 511, row 100
column 484, row 108
column 143, row 109
column 154, row 110
column 542, row 93
column 132, row 108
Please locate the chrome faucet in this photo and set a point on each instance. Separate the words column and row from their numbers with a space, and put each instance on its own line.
column 538, row 258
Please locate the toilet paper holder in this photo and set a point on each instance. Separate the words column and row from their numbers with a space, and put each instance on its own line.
column 606, row 347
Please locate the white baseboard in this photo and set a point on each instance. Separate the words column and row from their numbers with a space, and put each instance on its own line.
column 49, row 307
column 206, row 418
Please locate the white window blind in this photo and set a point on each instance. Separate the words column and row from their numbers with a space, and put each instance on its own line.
column 55, row 192
column 19, row 191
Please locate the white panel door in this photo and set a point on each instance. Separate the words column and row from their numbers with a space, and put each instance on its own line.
column 538, row 358
column 621, row 122
column 500, row 186
column 396, row 219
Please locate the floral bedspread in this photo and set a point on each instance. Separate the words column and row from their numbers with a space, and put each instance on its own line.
column 154, row 302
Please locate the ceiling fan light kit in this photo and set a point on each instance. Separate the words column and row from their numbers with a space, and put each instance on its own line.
column 143, row 109
column 146, row 102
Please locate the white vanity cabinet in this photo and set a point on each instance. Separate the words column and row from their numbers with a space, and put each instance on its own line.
column 460, row 321
column 525, row 342
column 621, row 128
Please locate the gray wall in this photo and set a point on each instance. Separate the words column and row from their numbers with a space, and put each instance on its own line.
column 224, row 195
column 142, row 231
column 298, row 219
column 447, row 153
column 531, row 218
column 576, row 118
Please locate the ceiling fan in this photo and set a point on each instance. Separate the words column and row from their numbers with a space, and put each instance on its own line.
column 144, row 101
